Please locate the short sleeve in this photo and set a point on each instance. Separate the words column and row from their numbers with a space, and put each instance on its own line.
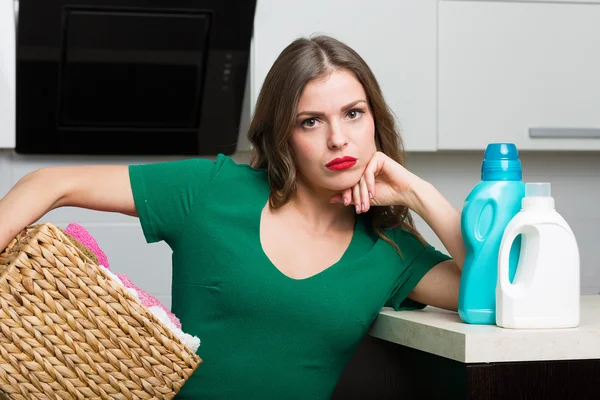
column 165, row 193
column 418, row 259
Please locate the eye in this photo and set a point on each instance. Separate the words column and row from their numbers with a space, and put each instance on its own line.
column 355, row 114
column 309, row 123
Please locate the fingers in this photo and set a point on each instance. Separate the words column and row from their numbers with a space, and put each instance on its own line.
column 364, row 195
column 345, row 197
column 360, row 197
column 337, row 198
column 373, row 168
column 361, row 194
column 369, row 179
column 356, row 198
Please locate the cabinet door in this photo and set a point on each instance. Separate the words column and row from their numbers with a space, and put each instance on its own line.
column 7, row 74
column 396, row 38
column 522, row 72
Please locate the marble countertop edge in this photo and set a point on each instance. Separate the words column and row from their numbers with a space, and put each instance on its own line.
column 442, row 333
column 420, row 336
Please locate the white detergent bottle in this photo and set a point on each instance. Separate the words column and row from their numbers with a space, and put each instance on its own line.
column 545, row 291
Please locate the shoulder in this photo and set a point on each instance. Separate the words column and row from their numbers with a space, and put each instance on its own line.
column 228, row 166
column 229, row 174
column 412, row 245
column 203, row 169
column 406, row 237
column 416, row 250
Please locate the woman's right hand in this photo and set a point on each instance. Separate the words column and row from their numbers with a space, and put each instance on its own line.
column 384, row 183
column 102, row 188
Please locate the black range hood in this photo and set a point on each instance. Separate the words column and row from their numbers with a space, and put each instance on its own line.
column 131, row 77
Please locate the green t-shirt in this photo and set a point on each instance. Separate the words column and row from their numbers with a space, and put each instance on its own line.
column 264, row 335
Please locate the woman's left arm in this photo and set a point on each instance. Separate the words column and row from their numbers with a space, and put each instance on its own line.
column 385, row 182
column 440, row 286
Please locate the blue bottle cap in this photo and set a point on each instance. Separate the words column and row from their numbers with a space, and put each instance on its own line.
column 501, row 163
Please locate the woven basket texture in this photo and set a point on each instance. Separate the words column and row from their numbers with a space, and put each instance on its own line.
column 69, row 331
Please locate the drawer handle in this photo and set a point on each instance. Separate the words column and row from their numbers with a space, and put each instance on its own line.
column 568, row 133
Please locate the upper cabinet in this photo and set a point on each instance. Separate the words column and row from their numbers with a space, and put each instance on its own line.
column 524, row 72
column 396, row 38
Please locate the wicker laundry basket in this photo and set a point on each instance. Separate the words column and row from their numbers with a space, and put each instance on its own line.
column 69, row 331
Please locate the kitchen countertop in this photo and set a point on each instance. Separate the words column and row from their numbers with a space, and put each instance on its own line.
column 442, row 333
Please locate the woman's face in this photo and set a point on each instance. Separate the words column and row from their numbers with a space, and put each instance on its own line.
column 334, row 137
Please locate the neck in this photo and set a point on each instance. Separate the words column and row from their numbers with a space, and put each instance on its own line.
column 316, row 212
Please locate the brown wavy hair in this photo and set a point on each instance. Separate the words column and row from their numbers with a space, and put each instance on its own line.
column 303, row 61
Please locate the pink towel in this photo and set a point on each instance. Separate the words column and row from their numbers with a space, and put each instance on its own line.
column 81, row 234
column 147, row 299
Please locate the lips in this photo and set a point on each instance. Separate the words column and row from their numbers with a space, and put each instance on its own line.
column 341, row 163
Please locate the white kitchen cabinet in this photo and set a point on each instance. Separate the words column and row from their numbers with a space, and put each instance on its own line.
column 7, row 75
column 523, row 72
column 396, row 38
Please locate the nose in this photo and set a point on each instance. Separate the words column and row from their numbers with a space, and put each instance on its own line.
column 337, row 139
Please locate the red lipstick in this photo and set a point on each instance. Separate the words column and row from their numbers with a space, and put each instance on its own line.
column 341, row 163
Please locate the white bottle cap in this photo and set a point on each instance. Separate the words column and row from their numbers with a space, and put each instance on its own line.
column 538, row 189
column 537, row 196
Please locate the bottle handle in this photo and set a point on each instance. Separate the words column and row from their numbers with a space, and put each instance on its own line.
column 508, row 238
column 472, row 219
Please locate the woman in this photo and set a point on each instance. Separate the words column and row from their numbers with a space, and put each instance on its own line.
column 280, row 267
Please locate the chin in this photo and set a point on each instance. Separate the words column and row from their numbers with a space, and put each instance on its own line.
column 344, row 180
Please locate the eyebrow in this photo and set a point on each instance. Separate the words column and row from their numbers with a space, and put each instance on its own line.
column 320, row 114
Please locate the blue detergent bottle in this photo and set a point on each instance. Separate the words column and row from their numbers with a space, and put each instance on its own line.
column 487, row 210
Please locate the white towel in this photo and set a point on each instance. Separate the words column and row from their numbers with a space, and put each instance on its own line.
column 193, row 342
